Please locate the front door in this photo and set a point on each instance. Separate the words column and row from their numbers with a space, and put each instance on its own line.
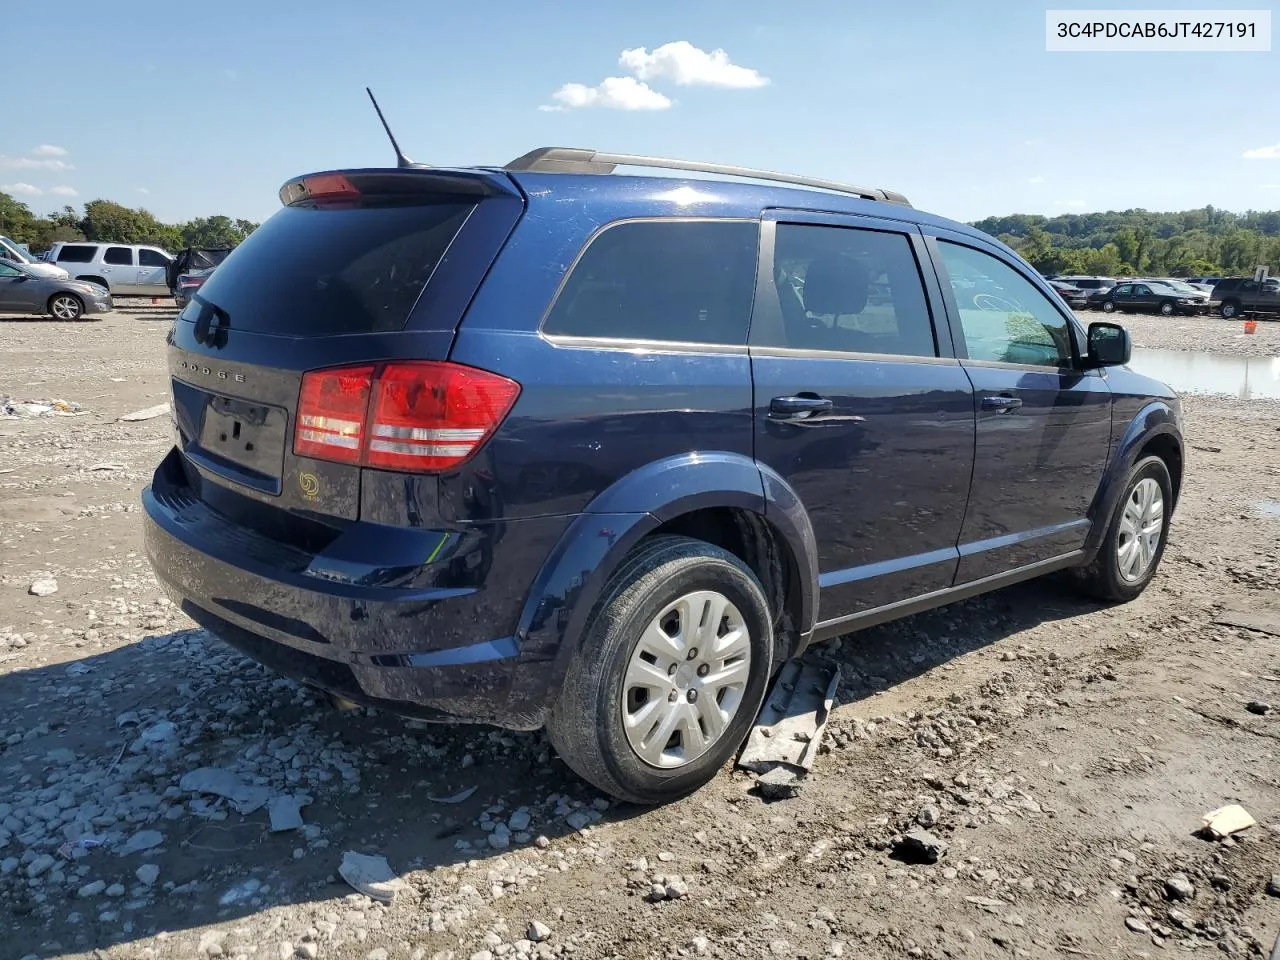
column 1044, row 424
column 12, row 284
column 152, row 273
column 860, row 405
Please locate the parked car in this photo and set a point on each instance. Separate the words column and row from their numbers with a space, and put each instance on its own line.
column 123, row 268
column 1147, row 296
column 1090, row 285
column 17, row 253
column 1243, row 296
column 1187, row 289
column 549, row 479
column 23, row 290
column 1074, row 296
column 190, row 268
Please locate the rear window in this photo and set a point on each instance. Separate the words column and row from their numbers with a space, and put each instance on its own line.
column 332, row 270
column 675, row 280
column 76, row 254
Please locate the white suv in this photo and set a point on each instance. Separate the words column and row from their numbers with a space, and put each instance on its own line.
column 126, row 269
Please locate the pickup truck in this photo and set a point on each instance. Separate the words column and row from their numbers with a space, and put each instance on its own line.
column 1234, row 297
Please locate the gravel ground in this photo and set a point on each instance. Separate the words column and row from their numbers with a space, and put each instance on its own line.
column 1062, row 752
column 1210, row 334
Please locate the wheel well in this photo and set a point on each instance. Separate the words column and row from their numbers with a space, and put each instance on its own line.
column 97, row 280
column 754, row 541
column 1167, row 449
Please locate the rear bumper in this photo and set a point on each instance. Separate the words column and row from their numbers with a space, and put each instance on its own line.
column 437, row 642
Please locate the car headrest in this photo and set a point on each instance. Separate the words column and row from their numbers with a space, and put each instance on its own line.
column 835, row 286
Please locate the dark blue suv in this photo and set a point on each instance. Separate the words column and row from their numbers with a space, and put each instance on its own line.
column 550, row 445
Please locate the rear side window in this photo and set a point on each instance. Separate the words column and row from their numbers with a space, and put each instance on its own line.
column 848, row 289
column 76, row 254
column 151, row 258
column 332, row 270
column 676, row 280
column 119, row 256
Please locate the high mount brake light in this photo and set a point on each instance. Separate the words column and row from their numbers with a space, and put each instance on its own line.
column 420, row 416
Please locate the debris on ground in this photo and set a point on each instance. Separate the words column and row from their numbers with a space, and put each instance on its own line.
column 28, row 409
column 783, row 782
column 44, row 587
column 1260, row 621
column 790, row 725
column 286, row 811
column 458, row 797
column 1227, row 820
column 920, row 846
column 246, row 798
column 371, row 875
column 146, row 413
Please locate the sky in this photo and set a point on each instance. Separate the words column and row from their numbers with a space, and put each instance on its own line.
column 194, row 110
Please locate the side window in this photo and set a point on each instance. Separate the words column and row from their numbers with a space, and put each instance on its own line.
column 848, row 289
column 76, row 253
column 1141, row 290
column 1122, row 290
column 8, row 271
column 119, row 256
column 151, row 258
column 678, row 280
column 1003, row 317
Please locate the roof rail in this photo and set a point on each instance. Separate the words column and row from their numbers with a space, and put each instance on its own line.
column 580, row 160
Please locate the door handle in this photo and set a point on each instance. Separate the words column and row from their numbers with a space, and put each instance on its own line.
column 1001, row 404
column 797, row 408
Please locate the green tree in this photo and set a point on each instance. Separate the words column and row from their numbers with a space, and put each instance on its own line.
column 217, row 231
column 16, row 219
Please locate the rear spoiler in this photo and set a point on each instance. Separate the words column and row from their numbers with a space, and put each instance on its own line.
column 405, row 183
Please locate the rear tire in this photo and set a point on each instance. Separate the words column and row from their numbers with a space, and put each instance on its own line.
column 1167, row 309
column 1108, row 306
column 1230, row 309
column 1128, row 557
column 65, row 306
column 621, row 689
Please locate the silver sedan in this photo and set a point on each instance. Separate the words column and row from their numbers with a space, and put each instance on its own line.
column 22, row 291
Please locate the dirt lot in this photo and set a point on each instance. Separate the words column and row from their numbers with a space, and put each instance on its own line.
column 1065, row 751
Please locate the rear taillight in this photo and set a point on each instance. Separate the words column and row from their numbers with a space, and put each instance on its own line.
column 420, row 416
column 189, row 283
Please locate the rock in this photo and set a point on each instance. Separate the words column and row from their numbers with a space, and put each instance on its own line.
column 920, row 846
column 44, row 587
column 928, row 816
column 519, row 820
column 482, row 955
column 307, row 951
column 39, row 865
column 284, row 950
column 780, row 783
column 147, row 874
column 780, row 948
column 666, row 856
column 92, row 889
column 676, row 888
column 579, row 820
column 376, row 954
column 142, row 840
column 699, row 945
column 537, row 931
column 1178, row 887
column 1136, row 925
column 657, row 891
column 500, row 837
column 371, row 875
column 1253, row 706
column 1273, row 885
column 115, row 890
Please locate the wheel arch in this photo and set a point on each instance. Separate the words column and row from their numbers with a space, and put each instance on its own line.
column 724, row 498
column 1154, row 430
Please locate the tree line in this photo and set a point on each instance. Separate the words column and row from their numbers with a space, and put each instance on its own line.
column 105, row 220
column 1188, row 243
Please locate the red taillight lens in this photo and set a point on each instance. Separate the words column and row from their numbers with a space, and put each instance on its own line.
column 331, row 413
column 330, row 186
column 426, row 416
column 189, row 283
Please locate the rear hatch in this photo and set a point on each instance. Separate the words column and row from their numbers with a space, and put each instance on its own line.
column 359, row 268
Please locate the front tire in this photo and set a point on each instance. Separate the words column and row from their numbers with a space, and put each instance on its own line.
column 1167, row 309
column 674, row 663
column 1108, row 306
column 1230, row 309
column 65, row 306
column 1136, row 536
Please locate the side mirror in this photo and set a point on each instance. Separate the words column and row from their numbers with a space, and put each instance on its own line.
column 1109, row 344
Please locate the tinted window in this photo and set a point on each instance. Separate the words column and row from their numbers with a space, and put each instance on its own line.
column 330, row 269
column 120, row 256
column 76, row 254
column 8, row 271
column 677, row 280
column 1123, row 290
column 846, row 289
column 1003, row 316
column 152, row 258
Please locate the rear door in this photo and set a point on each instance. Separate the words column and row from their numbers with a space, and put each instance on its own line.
column 1044, row 424
column 860, row 404
column 120, row 269
column 357, row 268
column 152, row 265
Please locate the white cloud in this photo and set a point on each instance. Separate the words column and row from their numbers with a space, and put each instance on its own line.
column 689, row 66
column 25, row 189
column 64, row 191
column 1070, row 203
column 1262, row 153
column 143, row 190
column 1036, row 179
column 32, row 163
column 49, row 150
column 616, row 93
